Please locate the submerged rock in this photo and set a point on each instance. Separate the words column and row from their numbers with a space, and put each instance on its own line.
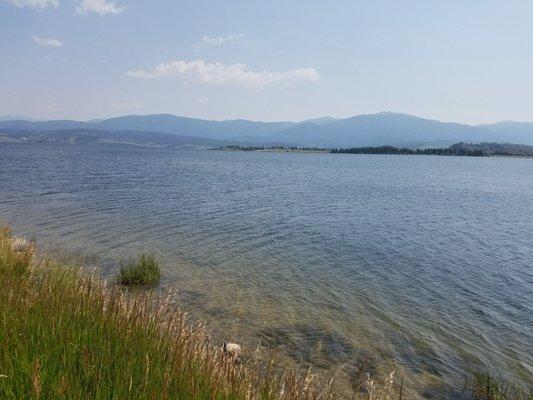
column 19, row 243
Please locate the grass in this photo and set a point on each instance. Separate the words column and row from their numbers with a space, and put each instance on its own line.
column 144, row 271
column 482, row 385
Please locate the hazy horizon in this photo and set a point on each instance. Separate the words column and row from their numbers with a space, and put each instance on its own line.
column 94, row 59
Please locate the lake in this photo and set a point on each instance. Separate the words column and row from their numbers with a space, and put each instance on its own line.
column 421, row 264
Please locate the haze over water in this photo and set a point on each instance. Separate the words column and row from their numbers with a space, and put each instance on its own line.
column 422, row 264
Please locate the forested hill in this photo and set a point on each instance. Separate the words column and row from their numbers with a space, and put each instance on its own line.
column 458, row 149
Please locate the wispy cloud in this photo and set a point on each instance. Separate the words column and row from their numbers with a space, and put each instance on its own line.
column 221, row 74
column 47, row 41
column 35, row 4
column 219, row 40
column 101, row 7
column 127, row 106
column 202, row 100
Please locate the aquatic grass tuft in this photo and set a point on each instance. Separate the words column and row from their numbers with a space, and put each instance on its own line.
column 144, row 271
column 482, row 385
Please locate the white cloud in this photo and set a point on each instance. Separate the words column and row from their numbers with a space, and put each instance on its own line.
column 127, row 105
column 202, row 100
column 101, row 7
column 221, row 74
column 219, row 40
column 47, row 41
column 36, row 4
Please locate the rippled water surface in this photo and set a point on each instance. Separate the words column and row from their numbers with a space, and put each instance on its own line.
column 421, row 264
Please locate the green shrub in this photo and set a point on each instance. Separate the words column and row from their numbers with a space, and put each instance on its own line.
column 145, row 271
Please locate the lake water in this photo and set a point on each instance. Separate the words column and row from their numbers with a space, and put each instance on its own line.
column 415, row 263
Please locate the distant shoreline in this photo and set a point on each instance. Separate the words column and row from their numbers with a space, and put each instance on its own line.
column 272, row 149
column 458, row 149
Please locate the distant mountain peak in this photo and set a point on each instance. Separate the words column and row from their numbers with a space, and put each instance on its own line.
column 321, row 120
column 394, row 114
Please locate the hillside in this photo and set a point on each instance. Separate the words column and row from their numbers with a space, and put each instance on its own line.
column 521, row 132
column 93, row 136
column 161, row 123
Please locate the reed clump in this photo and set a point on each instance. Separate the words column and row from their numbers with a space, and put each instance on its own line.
column 483, row 385
column 144, row 271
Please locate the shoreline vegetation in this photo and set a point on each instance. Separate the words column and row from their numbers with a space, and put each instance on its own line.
column 457, row 149
column 65, row 333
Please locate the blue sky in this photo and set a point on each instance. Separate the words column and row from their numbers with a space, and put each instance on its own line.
column 468, row 61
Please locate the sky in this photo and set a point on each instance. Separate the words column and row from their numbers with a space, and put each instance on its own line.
column 466, row 61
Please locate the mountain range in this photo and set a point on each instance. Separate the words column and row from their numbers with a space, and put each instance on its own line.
column 385, row 128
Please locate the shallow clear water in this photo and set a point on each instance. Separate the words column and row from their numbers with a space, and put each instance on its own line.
column 421, row 264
